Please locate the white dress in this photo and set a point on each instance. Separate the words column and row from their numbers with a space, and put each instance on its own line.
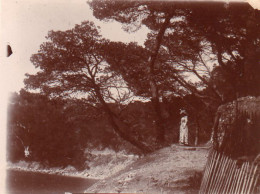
column 184, row 130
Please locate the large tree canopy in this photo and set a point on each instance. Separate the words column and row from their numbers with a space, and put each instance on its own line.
column 218, row 45
column 189, row 38
column 196, row 36
column 72, row 65
column 69, row 57
column 234, row 36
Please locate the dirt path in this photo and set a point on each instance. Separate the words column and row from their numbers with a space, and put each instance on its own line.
column 174, row 169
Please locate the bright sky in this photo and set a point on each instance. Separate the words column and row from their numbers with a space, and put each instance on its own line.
column 25, row 23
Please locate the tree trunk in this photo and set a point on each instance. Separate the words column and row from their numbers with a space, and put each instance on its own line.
column 197, row 131
column 251, row 66
column 215, row 131
column 160, row 130
column 115, row 121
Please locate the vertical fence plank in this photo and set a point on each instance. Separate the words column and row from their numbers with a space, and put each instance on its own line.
column 245, row 178
column 240, row 178
column 234, row 181
column 230, row 177
column 212, row 176
column 249, row 178
column 217, row 167
column 222, row 175
column 210, row 171
column 219, row 177
column 206, row 171
column 205, row 174
column 252, row 179
column 254, row 185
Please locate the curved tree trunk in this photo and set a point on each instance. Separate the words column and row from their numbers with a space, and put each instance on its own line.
column 115, row 123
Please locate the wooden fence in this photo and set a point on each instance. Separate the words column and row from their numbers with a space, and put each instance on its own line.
column 224, row 175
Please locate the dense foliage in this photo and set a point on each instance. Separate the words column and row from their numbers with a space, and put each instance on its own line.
column 195, row 57
column 61, row 132
column 215, row 43
column 237, row 133
column 45, row 127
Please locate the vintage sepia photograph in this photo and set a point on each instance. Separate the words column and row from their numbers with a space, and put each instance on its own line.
column 134, row 96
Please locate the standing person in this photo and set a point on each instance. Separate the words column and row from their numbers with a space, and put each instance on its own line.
column 183, row 128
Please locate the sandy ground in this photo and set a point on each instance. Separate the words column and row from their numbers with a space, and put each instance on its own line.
column 102, row 165
column 174, row 169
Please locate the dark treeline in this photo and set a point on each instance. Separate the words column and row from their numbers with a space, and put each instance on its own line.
column 61, row 132
column 194, row 57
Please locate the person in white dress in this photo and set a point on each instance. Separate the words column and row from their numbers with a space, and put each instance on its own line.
column 26, row 151
column 184, row 128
